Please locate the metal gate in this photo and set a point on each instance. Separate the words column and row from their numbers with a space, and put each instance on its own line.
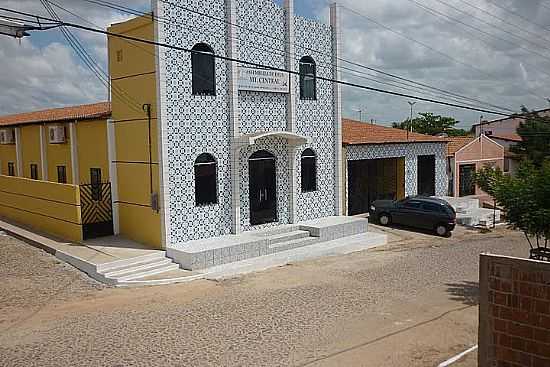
column 97, row 210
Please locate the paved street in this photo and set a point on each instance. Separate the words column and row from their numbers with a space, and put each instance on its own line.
column 410, row 303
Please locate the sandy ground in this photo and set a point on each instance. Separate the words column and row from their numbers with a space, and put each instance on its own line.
column 410, row 303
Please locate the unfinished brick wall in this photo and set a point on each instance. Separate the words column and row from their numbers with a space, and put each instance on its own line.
column 514, row 314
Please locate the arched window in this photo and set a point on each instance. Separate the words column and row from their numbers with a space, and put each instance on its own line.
column 309, row 171
column 206, row 180
column 204, row 70
column 308, row 79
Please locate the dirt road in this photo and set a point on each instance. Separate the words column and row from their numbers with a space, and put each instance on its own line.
column 411, row 303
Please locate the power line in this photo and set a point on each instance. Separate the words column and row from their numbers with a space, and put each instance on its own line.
column 258, row 65
column 349, row 71
column 504, row 20
column 492, row 25
column 89, row 61
column 159, row 19
column 447, row 56
column 518, row 14
column 477, row 29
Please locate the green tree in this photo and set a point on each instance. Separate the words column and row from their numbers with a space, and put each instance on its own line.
column 431, row 124
column 525, row 198
column 535, row 134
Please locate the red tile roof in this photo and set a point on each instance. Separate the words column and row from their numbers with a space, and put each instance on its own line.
column 507, row 137
column 83, row 112
column 358, row 133
column 458, row 142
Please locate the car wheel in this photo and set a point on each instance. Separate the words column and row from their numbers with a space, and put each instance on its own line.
column 384, row 219
column 441, row 230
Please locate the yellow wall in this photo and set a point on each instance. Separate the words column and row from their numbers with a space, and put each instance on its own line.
column 58, row 155
column 133, row 77
column 30, row 149
column 8, row 153
column 44, row 206
column 92, row 149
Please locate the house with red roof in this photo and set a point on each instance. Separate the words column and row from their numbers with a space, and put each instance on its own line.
column 387, row 163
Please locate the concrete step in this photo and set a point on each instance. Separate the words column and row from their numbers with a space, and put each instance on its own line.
column 119, row 264
column 288, row 245
column 137, row 267
column 285, row 237
column 276, row 231
column 151, row 271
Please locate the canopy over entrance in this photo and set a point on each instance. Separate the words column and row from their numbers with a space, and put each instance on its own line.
column 251, row 139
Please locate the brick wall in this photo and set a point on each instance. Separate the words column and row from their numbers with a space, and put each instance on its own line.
column 514, row 314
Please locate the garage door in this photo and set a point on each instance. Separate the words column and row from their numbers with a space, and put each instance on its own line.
column 374, row 179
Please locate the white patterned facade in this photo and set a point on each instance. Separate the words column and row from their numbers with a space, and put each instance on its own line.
column 257, row 31
column 411, row 152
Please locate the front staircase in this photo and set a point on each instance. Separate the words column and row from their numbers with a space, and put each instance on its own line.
column 127, row 271
column 212, row 252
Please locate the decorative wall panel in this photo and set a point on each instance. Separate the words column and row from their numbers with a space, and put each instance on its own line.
column 410, row 152
column 193, row 125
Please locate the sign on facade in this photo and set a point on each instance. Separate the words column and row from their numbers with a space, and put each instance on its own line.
column 263, row 80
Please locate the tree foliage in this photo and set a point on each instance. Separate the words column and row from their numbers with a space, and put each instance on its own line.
column 431, row 124
column 525, row 198
column 535, row 134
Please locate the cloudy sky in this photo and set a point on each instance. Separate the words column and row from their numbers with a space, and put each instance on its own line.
column 496, row 51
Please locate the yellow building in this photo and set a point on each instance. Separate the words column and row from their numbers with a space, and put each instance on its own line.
column 114, row 143
column 64, row 145
column 54, row 169
column 134, row 132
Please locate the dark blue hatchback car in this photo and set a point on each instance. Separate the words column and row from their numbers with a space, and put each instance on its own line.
column 419, row 212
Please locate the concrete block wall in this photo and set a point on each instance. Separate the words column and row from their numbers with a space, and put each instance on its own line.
column 514, row 315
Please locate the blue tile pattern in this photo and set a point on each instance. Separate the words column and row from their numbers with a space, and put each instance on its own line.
column 196, row 124
column 411, row 153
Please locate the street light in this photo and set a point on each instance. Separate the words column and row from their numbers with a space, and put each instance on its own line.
column 411, row 120
column 15, row 29
column 360, row 111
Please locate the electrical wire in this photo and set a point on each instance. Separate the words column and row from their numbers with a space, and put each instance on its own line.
column 479, row 30
column 89, row 61
column 258, row 65
column 505, row 21
column 433, row 49
column 159, row 19
column 472, row 16
column 519, row 15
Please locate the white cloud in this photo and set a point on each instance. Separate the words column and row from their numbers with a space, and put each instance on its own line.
column 41, row 74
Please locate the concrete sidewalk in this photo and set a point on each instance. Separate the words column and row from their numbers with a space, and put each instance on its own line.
column 121, row 262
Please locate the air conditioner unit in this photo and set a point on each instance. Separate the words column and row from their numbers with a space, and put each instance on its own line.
column 7, row 136
column 57, row 134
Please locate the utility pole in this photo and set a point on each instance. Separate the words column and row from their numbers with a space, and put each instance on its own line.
column 360, row 111
column 411, row 120
column 480, row 125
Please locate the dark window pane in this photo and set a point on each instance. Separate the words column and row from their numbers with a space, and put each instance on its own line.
column 11, row 169
column 206, row 186
column 34, row 171
column 309, row 171
column 412, row 204
column 308, row 78
column 430, row 207
column 61, row 174
column 203, row 70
